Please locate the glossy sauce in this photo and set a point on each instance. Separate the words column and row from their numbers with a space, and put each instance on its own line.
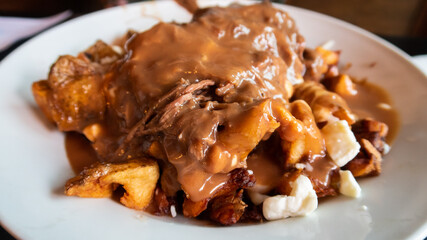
column 236, row 58
column 206, row 92
column 267, row 171
column 366, row 103
column 79, row 151
column 266, row 164
column 320, row 169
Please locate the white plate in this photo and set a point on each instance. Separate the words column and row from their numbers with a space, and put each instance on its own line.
column 421, row 62
column 34, row 168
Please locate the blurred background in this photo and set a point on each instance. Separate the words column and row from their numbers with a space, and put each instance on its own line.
column 384, row 17
column 401, row 22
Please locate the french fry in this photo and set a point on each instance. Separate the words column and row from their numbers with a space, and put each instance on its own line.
column 138, row 178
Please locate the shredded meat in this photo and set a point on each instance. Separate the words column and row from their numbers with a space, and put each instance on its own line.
column 227, row 209
column 252, row 213
column 371, row 130
column 367, row 162
column 371, row 136
column 161, row 204
column 228, row 102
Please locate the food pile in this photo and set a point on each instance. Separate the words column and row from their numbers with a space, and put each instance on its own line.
column 229, row 117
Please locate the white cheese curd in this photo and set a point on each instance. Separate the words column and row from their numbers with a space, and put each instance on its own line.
column 341, row 144
column 348, row 185
column 173, row 211
column 301, row 201
column 387, row 148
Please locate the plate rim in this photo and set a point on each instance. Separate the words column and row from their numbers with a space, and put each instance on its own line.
column 421, row 231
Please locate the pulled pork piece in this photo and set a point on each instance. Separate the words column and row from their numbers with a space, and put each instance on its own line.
column 238, row 178
column 367, row 162
column 138, row 178
column 161, row 204
column 326, row 105
column 371, row 130
column 227, row 209
column 207, row 101
column 253, row 213
column 371, row 136
column 218, row 142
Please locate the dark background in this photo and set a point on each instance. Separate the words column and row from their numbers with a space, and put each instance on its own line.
column 401, row 22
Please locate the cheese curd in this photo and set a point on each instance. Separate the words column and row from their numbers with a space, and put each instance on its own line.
column 341, row 144
column 301, row 201
column 348, row 185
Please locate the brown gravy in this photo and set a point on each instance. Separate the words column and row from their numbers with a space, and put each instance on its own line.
column 223, row 66
column 79, row 151
column 367, row 103
column 194, row 87
column 320, row 169
column 190, row 5
column 265, row 162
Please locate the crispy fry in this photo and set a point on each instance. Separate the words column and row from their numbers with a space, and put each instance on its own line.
column 294, row 151
column 367, row 162
column 330, row 57
column 138, row 178
column 41, row 92
column 325, row 105
column 240, row 91
column 341, row 84
column 320, row 62
column 194, row 209
column 290, row 128
column 100, row 53
column 71, row 96
column 227, row 209
column 239, row 178
column 371, row 130
column 309, row 143
column 240, row 136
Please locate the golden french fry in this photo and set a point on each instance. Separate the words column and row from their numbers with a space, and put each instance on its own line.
column 138, row 178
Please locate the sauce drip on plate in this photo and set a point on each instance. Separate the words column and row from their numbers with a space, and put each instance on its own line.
column 79, row 151
column 373, row 101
